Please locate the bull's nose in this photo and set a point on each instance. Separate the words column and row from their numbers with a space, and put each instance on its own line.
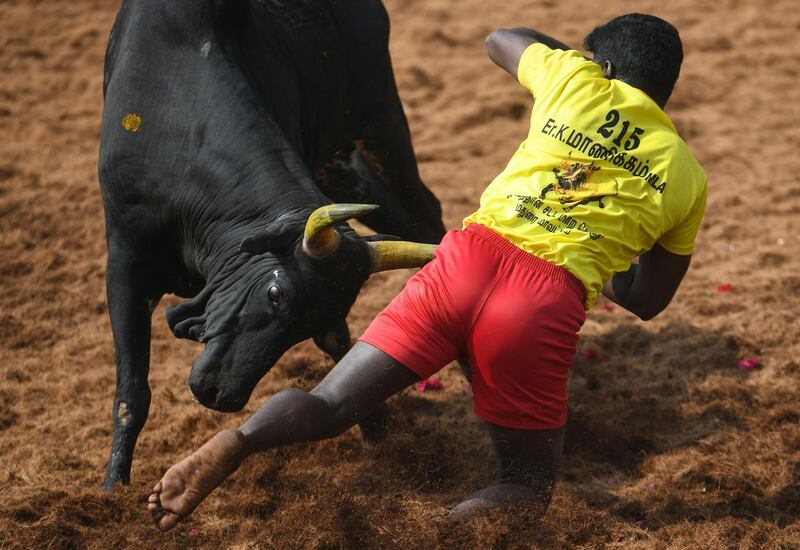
column 229, row 405
column 212, row 397
column 205, row 394
column 209, row 384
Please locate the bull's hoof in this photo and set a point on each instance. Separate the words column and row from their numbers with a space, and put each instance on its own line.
column 111, row 482
column 374, row 426
column 116, row 473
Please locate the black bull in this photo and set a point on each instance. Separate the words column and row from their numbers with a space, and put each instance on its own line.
column 217, row 113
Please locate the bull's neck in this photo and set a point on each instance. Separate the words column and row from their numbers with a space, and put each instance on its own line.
column 243, row 191
column 215, row 250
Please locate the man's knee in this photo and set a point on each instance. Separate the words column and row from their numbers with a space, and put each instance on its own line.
column 335, row 415
column 311, row 416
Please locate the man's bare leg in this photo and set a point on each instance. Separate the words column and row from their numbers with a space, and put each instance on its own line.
column 362, row 380
column 527, row 462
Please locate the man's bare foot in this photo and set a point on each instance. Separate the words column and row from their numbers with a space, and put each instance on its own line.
column 497, row 499
column 188, row 482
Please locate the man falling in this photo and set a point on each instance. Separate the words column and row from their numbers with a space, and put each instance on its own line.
column 602, row 178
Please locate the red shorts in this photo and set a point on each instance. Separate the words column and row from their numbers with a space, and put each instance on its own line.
column 515, row 316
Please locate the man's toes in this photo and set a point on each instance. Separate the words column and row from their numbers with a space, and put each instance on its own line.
column 156, row 512
column 168, row 521
column 157, row 487
column 154, row 507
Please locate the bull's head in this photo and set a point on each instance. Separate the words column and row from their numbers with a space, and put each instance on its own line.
column 282, row 290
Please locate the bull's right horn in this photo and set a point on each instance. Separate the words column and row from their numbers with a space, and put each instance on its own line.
column 320, row 238
column 399, row 255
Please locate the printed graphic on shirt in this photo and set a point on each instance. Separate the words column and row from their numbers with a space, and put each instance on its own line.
column 599, row 150
column 573, row 188
column 550, row 218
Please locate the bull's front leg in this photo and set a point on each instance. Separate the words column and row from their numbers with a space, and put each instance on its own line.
column 130, row 308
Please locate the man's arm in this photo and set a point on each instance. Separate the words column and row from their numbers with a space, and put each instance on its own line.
column 648, row 287
column 506, row 46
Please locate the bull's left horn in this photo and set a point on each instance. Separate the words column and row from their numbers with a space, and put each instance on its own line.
column 399, row 255
column 320, row 238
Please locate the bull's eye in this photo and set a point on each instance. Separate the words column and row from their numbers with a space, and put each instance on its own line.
column 274, row 294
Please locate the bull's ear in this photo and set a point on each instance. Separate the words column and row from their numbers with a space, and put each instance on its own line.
column 279, row 238
column 335, row 340
column 264, row 241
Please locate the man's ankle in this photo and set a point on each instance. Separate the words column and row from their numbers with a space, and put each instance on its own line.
column 246, row 447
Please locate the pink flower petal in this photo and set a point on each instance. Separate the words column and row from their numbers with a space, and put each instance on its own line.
column 727, row 287
column 611, row 481
column 467, row 388
column 194, row 532
column 650, row 485
column 749, row 363
column 433, row 384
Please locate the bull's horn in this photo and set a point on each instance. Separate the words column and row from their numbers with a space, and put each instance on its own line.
column 320, row 238
column 399, row 254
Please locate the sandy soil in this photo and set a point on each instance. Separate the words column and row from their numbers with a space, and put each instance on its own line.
column 670, row 443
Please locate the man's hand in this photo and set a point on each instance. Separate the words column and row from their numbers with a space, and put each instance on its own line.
column 506, row 46
column 648, row 287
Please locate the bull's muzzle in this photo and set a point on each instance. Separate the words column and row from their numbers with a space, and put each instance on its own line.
column 210, row 388
column 211, row 397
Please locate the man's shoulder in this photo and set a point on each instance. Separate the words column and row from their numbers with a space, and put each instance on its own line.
column 543, row 67
column 689, row 165
column 668, row 138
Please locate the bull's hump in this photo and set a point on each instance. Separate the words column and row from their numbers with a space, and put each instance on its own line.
column 305, row 16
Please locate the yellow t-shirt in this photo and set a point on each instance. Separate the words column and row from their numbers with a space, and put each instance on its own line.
column 601, row 177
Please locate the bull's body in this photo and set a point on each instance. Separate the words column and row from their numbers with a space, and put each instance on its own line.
column 216, row 115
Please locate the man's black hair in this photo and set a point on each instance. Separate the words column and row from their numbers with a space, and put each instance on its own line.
column 645, row 52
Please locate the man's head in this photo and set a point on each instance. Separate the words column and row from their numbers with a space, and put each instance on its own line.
column 642, row 50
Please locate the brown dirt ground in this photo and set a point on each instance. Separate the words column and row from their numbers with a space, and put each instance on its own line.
column 670, row 444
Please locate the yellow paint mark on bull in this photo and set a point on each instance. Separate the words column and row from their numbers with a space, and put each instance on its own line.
column 132, row 122
column 123, row 414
